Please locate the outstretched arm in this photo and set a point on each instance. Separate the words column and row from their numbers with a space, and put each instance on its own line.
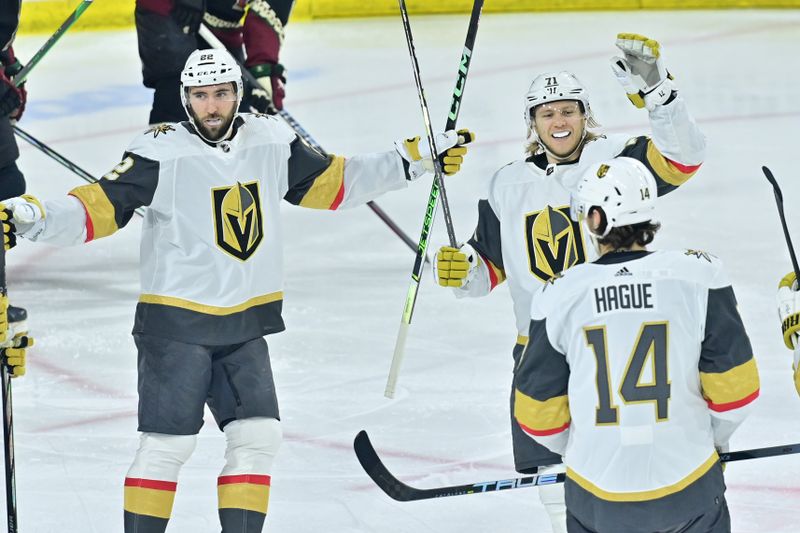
column 677, row 147
column 335, row 182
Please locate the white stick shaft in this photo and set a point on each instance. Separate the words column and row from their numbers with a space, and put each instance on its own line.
column 397, row 359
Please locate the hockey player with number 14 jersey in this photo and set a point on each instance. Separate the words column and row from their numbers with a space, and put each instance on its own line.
column 524, row 233
column 638, row 369
column 212, row 274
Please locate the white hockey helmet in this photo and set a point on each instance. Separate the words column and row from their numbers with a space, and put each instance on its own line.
column 210, row 67
column 623, row 188
column 555, row 86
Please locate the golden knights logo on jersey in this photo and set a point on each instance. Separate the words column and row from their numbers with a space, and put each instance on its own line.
column 554, row 242
column 238, row 223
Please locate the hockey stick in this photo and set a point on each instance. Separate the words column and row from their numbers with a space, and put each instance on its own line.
column 8, row 421
column 437, row 187
column 399, row 491
column 22, row 75
column 60, row 159
column 212, row 40
column 779, row 200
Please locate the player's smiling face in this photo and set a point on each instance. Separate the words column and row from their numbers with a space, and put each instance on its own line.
column 560, row 126
column 213, row 108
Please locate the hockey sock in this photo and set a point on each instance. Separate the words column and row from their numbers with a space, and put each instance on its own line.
column 244, row 484
column 152, row 480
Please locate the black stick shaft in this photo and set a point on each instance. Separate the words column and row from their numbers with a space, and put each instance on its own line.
column 438, row 178
column 8, row 422
column 452, row 118
column 433, row 198
column 779, row 201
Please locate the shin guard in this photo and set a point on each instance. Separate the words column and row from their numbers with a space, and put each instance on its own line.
column 152, row 480
column 244, row 484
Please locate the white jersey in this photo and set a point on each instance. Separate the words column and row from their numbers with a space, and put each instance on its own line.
column 211, row 247
column 524, row 232
column 637, row 367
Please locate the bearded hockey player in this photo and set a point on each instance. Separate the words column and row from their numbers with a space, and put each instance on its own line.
column 638, row 369
column 212, row 274
column 524, row 233
column 789, row 312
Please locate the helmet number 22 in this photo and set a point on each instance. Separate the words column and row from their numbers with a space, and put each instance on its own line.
column 650, row 350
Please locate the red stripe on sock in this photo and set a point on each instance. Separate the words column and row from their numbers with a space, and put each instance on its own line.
column 253, row 479
column 151, row 484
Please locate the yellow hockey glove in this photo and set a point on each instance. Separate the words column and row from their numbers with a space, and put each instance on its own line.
column 789, row 309
column 14, row 355
column 451, row 146
column 454, row 266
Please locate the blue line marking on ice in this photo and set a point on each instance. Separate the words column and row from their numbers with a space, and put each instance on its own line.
column 84, row 102
column 110, row 97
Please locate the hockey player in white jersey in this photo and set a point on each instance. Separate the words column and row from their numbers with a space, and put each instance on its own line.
column 524, row 233
column 637, row 370
column 212, row 274
column 789, row 312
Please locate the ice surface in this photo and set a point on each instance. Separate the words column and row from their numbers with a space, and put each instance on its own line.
column 350, row 85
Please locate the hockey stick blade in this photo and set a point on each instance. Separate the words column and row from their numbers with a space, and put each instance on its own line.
column 779, row 201
column 401, row 492
column 774, row 182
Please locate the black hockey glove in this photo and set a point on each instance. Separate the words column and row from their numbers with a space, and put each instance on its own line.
column 12, row 98
column 188, row 14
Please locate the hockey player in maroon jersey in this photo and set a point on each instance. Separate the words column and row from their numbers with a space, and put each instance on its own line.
column 524, row 233
column 789, row 312
column 252, row 30
column 638, row 369
column 212, row 274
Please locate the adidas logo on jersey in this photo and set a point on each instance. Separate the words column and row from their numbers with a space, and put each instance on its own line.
column 623, row 272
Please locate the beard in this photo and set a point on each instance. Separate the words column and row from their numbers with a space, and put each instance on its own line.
column 216, row 133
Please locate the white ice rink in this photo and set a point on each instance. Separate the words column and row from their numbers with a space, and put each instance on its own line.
column 350, row 85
